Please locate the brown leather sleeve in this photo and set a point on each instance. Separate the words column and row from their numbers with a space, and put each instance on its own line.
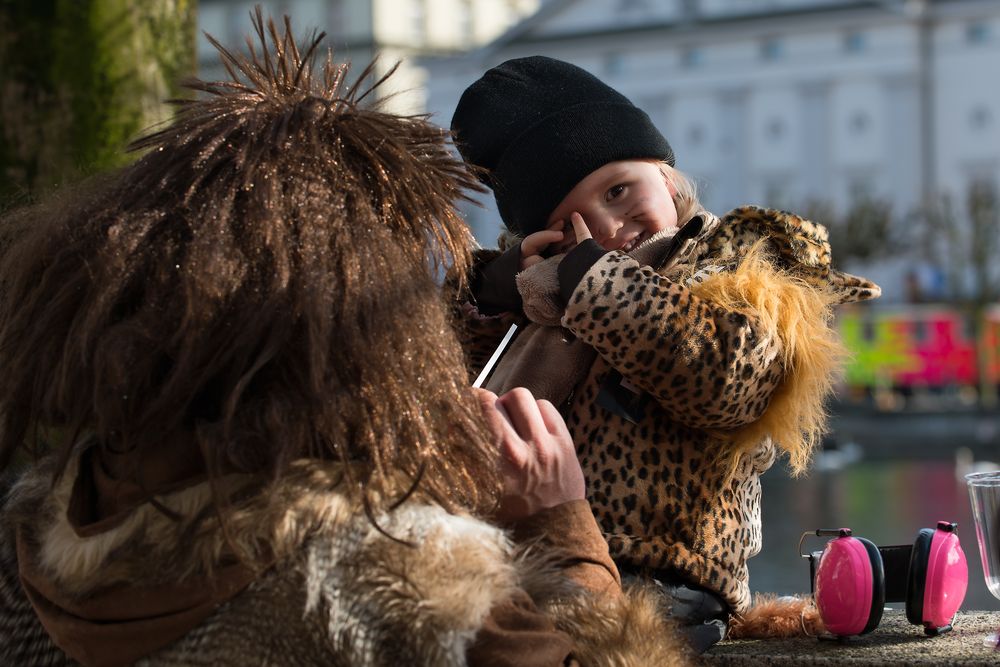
column 516, row 634
column 571, row 531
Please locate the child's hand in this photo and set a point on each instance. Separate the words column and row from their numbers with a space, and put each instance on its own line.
column 580, row 233
column 538, row 459
column 580, row 227
column 534, row 244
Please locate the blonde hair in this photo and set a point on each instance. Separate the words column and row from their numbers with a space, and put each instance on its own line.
column 686, row 196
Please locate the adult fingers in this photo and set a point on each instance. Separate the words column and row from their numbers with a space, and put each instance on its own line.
column 497, row 419
column 553, row 421
column 523, row 412
column 487, row 403
column 580, row 227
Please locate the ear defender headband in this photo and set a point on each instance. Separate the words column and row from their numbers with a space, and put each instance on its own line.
column 852, row 579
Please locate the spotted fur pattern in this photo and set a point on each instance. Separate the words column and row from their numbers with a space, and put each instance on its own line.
column 657, row 486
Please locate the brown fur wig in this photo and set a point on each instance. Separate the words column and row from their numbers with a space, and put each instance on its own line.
column 261, row 280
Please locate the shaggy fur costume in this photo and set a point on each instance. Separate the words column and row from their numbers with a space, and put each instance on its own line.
column 338, row 591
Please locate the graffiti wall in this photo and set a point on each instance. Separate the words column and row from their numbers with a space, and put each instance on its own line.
column 925, row 346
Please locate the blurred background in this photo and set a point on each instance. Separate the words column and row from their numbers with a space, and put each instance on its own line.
column 878, row 118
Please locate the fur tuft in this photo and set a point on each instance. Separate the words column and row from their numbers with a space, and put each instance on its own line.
column 773, row 617
column 800, row 314
column 632, row 631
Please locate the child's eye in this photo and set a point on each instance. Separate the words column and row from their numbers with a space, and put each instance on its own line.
column 614, row 192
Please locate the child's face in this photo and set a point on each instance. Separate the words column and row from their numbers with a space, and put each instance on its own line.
column 623, row 204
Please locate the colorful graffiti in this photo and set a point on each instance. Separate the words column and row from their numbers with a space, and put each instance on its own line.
column 921, row 347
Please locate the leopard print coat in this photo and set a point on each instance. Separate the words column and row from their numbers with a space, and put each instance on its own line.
column 678, row 401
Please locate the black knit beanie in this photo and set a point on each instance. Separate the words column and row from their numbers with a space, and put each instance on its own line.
column 538, row 126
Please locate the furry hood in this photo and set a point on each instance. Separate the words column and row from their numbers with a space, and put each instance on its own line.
column 802, row 247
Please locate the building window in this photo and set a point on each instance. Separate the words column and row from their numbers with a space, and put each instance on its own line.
column 980, row 118
column 977, row 33
column 860, row 188
column 854, row 42
column 772, row 49
column 695, row 136
column 692, row 56
column 777, row 191
column 859, row 122
column 774, row 129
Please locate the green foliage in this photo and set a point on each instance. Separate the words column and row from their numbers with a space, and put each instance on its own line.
column 984, row 239
column 79, row 79
column 864, row 232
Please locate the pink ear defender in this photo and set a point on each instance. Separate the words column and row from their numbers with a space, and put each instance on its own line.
column 848, row 584
column 938, row 581
column 852, row 579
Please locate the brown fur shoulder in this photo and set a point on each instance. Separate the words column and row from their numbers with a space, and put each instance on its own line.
column 632, row 630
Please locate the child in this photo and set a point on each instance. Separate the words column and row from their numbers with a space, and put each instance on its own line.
column 683, row 349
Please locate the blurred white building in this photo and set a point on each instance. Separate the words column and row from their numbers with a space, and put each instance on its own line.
column 396, row 30
column 784, row 102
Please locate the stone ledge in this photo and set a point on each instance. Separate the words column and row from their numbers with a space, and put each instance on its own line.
column 894, row 642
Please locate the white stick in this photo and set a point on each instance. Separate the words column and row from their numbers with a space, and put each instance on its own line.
column 496, row 356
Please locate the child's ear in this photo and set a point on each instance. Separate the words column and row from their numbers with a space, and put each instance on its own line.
column 665, row 172
column 671, row 188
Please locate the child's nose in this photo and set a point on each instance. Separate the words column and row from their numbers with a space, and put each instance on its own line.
column 607, row 228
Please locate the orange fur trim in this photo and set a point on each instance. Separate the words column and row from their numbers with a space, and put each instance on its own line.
column 800, row 316
column 773, row 617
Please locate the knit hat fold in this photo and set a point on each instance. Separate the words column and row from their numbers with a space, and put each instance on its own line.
column 537, row 126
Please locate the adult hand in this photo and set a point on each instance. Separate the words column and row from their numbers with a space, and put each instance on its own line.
column 538, row 460
column 534, row 244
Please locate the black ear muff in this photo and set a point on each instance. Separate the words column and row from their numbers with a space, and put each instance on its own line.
column 878, row 585
column 916, row 580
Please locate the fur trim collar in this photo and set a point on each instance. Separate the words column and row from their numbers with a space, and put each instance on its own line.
column 371, row 598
